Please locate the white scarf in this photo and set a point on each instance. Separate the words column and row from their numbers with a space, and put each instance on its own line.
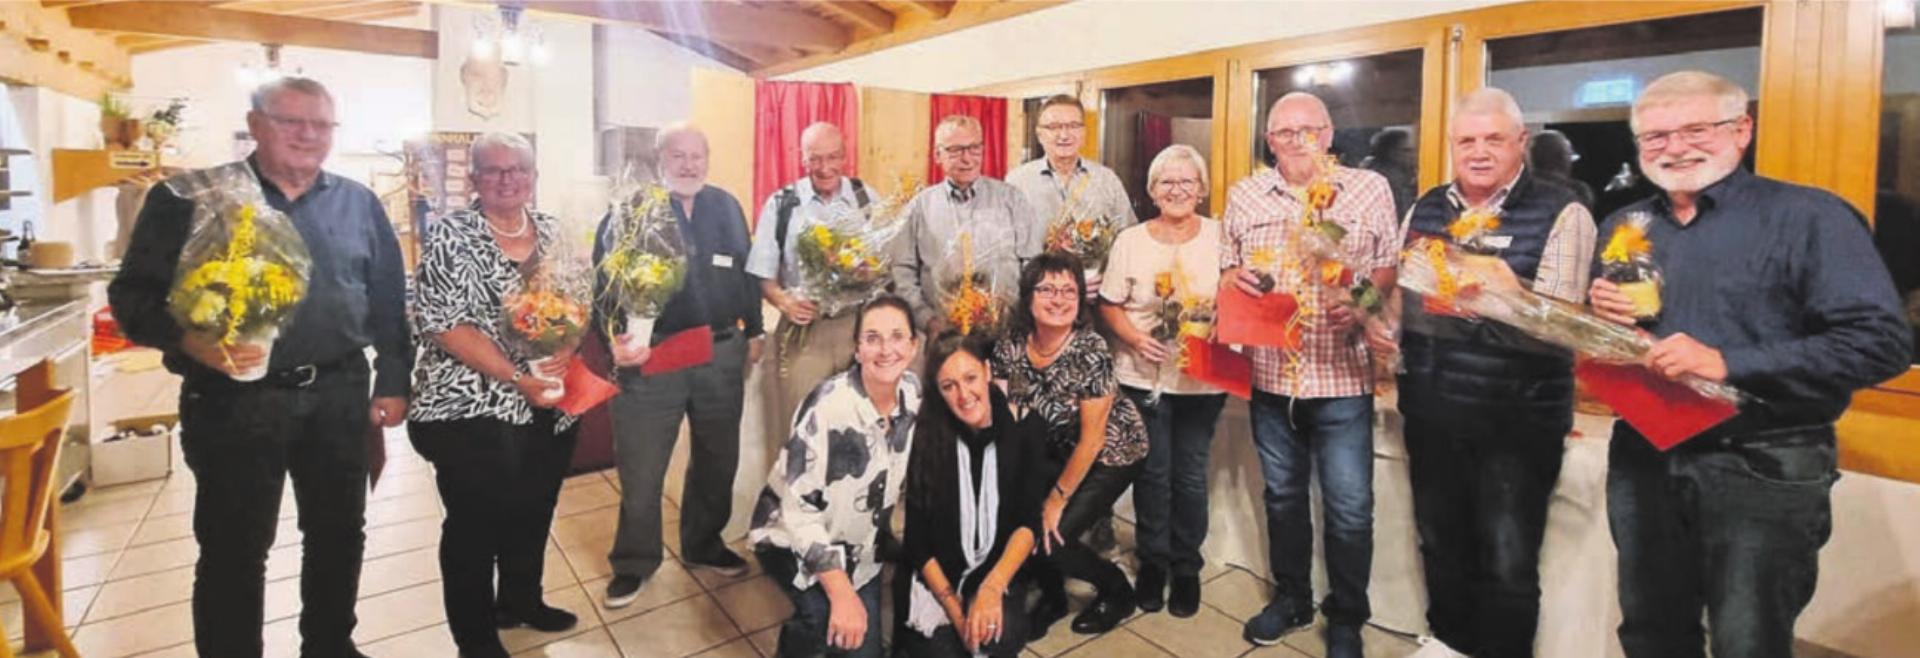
column 979, row 521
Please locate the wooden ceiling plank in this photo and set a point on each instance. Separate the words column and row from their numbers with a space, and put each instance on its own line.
column 731, row 23
column 933, row 8
column 967, row 15
column 170, row 19
column 865, row 15
column 39, row 46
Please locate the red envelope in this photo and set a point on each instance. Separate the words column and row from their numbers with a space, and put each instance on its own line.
column 1665, row 411
column 376, row 439
column 1219, row 366
column 680, row 351
column 585, row 390
column 1250, row 320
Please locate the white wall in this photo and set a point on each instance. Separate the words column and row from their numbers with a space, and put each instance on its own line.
column 647, row 79
column 42, row 120
column 1092, row 34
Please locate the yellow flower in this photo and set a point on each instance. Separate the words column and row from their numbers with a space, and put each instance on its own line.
column 1472, row 223
column 1263, row 258
column 823, row 236
column 1628, row 241
column 854, row 244
column 846, row 260
column 1163, row 285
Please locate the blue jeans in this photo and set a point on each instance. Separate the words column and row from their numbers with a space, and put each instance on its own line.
column 1334, row 436
column 1171, row 494
column 1733, row 525
column 804, row 635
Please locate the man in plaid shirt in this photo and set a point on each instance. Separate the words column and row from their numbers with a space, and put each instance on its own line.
column 1318, row 413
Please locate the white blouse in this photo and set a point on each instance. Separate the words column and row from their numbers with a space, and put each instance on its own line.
column 1135, row 260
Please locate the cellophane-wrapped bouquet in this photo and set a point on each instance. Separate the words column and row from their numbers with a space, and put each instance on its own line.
column 645, row 262
column 1325, row 262
column 550, row 311
column 1448, row 275
column 1181, row 312
column 844, row 260
column 1080, row 230
column 244, row 268
column 1627, row 261
column 971, row 296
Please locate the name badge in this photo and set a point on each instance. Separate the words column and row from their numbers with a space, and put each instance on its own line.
column 1499, row 241
column 723, row 261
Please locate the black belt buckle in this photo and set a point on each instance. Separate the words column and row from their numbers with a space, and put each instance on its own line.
column 302, row 376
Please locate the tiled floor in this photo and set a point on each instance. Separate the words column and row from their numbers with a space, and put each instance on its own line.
column 129, row 554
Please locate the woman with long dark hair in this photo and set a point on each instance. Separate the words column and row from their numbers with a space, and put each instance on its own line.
column 1059, row 369
column 973, row 499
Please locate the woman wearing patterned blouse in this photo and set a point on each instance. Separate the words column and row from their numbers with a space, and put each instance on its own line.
column 818, row 525
column 974, row 487
column 479, row 414
column 1058, row 368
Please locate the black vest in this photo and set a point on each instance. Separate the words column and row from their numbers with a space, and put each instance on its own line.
column 1458, row 365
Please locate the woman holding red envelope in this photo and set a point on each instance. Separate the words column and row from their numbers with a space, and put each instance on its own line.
column 1160, row 281
column 481, row 414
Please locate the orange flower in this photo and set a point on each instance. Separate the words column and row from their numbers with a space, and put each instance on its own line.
column 1332, row 272
column 1163, row 285
column 1472, row 223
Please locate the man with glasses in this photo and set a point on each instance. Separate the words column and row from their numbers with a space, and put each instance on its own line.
column 1488, row 408
column 1317, row 417
column 1776, row 289
column 999, row 228
column 824, row 192
column 1063, row 182
column 309, row 416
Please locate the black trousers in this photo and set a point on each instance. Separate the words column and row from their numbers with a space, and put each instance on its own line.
column 946, row 642
column 499, row 483
column 242, row 442
column 1092, row 501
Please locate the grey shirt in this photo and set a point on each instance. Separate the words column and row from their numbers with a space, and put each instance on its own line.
column 1005, row 234
column 768, row 258
column 1103, row 195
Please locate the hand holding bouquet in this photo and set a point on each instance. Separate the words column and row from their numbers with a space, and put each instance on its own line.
column 1627, row 261
column 243, row 269
column 546, row 318
column 1182, row 312
column 645, row 263
column 843, row 259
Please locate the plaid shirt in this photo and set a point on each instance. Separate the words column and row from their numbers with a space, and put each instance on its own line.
column 1566, row 262
column 1261, row 210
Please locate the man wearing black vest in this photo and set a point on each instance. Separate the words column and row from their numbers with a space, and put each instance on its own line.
column 1776, row 289
column 828, row 347
column 1487, row 408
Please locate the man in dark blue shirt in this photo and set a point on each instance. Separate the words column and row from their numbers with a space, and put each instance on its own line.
column 1776, row 289
column 309, row 415
column 649, row 408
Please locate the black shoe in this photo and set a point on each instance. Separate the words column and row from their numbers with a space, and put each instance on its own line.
column 1184, row 602
column 622, row 590
column 1046, row 612
column 1150, row 589
column 1280, row 617
column 486, row 653
column 1104, row 615
column 1343, row 641
column 543, row 618
column 726, row 563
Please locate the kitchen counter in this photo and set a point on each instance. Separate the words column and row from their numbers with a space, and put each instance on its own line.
column 59, row 332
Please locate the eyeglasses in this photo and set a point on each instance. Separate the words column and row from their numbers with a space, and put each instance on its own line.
column 502, row 173
column 1294, row 135
column 1179, row 184
column 1693, row 133
column 321, row 126
column 1048, row 291
column 1062, row 127
column 876, row 340
column 958, row 150
column 817, row 160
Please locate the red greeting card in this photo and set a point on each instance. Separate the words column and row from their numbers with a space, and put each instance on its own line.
column 585, row 390
column 1218, row 366
column 1665, row 411
column 680, row 351
column 1266, row 320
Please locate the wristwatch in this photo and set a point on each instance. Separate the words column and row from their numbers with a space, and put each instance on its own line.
column 519, row 371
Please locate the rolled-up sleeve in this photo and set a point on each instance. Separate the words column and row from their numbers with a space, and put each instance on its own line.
column 763, row 258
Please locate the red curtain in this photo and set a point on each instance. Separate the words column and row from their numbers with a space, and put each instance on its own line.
column 781, row 111
column 992, row 113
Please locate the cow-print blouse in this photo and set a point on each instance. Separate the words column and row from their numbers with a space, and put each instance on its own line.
column 1083, row 371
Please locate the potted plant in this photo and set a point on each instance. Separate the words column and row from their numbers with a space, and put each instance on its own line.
column 118, row 128
column 164, row 124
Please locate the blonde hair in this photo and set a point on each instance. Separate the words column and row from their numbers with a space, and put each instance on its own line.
column 1686, row 85
column 1177, row 152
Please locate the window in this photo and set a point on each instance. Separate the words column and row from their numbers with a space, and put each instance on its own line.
column 1375, row 105
column 1140, row 121
column 1896, row 217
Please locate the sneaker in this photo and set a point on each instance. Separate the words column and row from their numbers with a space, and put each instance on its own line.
column 622, row 590
column 726, row 563
column 543, row 617
column 1280, row 617
column 1150, row 589
column 1432, row 647
column 1343, row 641
column 1184, row 602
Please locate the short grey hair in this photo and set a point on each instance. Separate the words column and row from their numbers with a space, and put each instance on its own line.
column 1686, row 85
column 503, row 140
column 820, row 130
column 1300, row 97
column 678, row 129
column 264, row 94
column 1490, row 100
column 952, row 121
column 1171, row 154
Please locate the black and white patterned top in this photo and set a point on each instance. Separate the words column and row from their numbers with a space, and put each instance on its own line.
column 835, row 482
column 1083, row 371
column 463, row 279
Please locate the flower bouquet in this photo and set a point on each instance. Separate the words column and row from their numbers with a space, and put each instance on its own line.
column 1077, row 230
column 646, row 261
column 243, row 269
column 1627, row 261
column 971, row 298
column 548, row 315
column 843, row 259
column 1181, row 313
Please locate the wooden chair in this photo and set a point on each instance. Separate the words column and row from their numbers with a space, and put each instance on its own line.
column 29, row 449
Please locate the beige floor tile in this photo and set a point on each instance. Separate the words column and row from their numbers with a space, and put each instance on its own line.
column 97, row 539
column 73, row 604
column 403, row 508
column 584, row 479
column 714, row 579
column 1208, row 634
column 395, row 486
column 286, row 532
column 767, row 641
column 398, row 612
column 76, row 517
column 675, row 631
column 1378, row 643
column 1279, row 651
column 185, row 650
column 574, row 600
column 740, row 648
column 158, row 628
column 399, row 571
column 156, row 529
column 588, row 563
column 403, row 537
column 1060, row 640
column 670, row 584
column 595, row 643
column 433, row 640
column 593, row 530
column 557, row 574
column 283, row 562
column 84, row 571
column 119, row 598
column 135, row 491
column 755, row 605
column 154, row 558
column 173, row 502
column 281, row 639
column 1238, row 593
column 1118, row 644
column 586, row 497
column 283, row 599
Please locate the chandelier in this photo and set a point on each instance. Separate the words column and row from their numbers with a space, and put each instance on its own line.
column 506, row 38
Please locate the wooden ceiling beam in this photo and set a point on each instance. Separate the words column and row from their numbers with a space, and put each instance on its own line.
column 171, row 19
column 965, row 15
column 936, row 9
column 714, row 21
column 39, row 46
column 864, row 15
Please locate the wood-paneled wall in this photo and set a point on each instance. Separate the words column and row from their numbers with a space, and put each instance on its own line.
column 893, row 136
column 723, row 107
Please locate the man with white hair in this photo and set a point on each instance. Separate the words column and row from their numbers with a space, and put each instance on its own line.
column 1488, row 408
column 823, row 193
column 719, row 295
column 998, row 225
column 1317, row 417
column 1776, row 289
